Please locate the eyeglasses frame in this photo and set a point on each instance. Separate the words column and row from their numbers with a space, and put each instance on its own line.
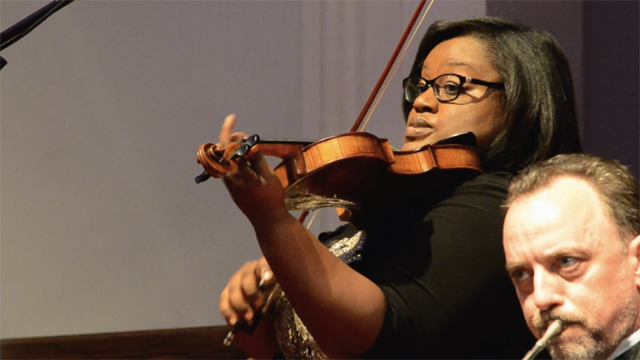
column 463, row 80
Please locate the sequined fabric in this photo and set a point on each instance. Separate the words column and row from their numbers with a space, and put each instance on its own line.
column 294, row 339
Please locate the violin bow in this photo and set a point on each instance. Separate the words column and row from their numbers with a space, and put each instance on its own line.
column 391, row 62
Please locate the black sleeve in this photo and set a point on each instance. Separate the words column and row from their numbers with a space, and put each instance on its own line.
column 447, row 292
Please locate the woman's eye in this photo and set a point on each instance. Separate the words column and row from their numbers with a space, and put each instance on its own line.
column 451, row 88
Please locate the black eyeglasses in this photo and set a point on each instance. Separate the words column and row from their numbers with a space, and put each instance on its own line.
column 446, row 87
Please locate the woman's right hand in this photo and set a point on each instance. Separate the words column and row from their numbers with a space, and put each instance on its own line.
column 241, row 298
column 239, row 301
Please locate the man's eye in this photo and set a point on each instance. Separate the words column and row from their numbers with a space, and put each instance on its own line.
column 520, row 275
column 522, row 280
column 567, row 261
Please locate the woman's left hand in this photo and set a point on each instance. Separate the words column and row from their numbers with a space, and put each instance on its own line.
column 253, row 185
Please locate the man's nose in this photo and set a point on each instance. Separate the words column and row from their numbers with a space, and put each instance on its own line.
column 547, row 290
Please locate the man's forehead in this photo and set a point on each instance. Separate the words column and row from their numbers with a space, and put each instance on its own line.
column 565, row 214
column 563, row 196
column 551, row 209
column 543, row 210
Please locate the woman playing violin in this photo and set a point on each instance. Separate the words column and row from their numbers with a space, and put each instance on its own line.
column 429, row 278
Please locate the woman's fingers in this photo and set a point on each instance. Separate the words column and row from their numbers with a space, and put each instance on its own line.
column 252, row 293
column 258, row 163
column 236, row 136
column 242, row 294
column 227, row 130
column 230, row 316
column 264, row 273
column 227, row 135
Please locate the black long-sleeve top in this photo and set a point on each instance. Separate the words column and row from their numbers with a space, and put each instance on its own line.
column 439, row 261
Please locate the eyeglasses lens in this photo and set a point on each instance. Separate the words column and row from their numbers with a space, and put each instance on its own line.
column 446, row 87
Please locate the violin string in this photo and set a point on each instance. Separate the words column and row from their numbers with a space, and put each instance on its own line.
column 395, row 68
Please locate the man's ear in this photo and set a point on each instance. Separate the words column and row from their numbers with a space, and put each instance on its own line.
column 634, row 254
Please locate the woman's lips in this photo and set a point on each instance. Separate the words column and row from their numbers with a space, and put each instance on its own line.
column 417, row 127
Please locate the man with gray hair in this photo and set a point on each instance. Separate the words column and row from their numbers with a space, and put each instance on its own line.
column 573, row 253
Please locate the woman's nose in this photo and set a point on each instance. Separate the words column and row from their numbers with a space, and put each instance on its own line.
column 426, row 102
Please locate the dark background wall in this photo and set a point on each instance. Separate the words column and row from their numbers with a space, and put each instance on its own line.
column 611, row 98
column 601, row 41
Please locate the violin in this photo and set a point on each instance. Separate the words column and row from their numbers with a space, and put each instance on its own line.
column 356, row 171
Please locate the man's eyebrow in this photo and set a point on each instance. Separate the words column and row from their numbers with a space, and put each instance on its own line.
column 510, row 267
column 567, row 251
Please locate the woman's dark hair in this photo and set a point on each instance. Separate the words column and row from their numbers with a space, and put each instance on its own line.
column 539, row 99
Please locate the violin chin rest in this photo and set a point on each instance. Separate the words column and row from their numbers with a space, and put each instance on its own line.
column 467, row 139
